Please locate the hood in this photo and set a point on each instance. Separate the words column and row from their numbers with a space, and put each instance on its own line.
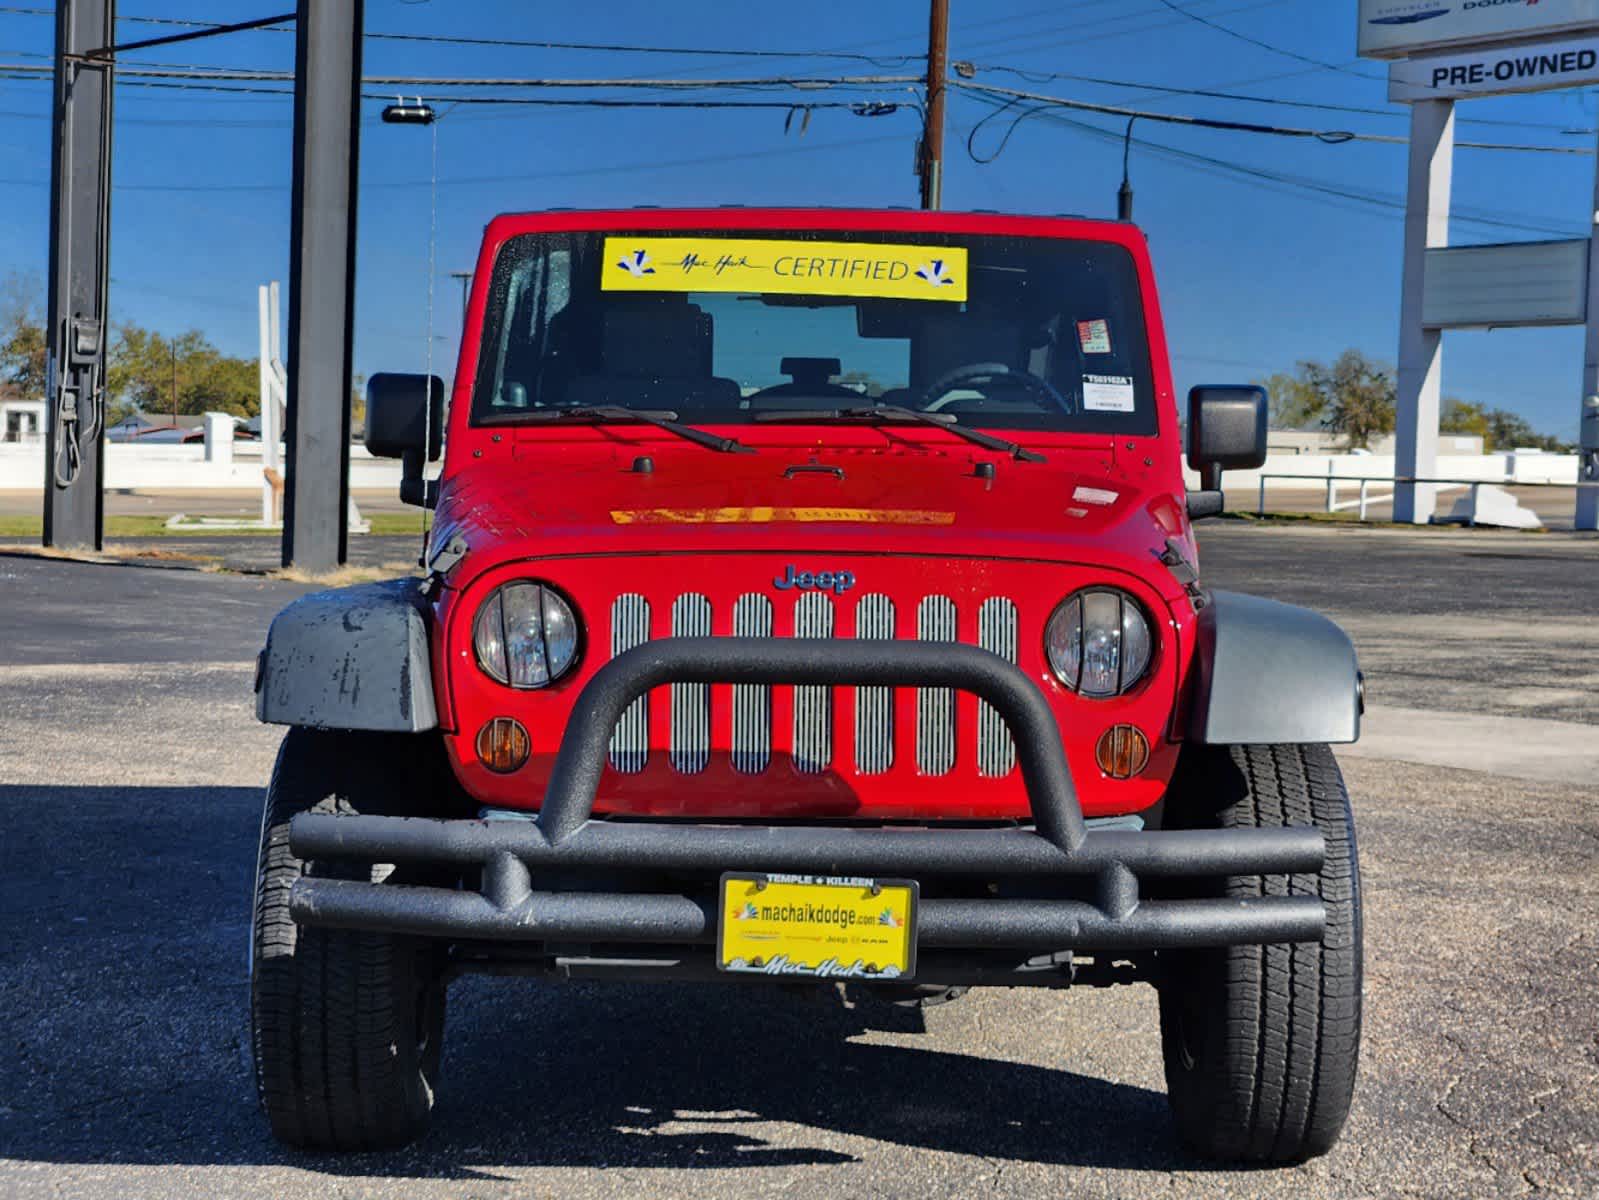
column 550, row 497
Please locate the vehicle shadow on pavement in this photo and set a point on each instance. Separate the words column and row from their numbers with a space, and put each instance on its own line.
column 125, row 1005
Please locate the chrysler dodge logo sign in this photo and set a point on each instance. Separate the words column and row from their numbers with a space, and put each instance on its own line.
column 837, row 582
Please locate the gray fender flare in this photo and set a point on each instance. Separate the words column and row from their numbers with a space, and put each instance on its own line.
column 1271, row 673
column 350, row 658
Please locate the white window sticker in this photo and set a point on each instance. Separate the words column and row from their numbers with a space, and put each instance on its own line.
column 1094, row 336
column 1108, row 393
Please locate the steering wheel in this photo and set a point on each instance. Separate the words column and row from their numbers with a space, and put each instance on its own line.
column 974, row 373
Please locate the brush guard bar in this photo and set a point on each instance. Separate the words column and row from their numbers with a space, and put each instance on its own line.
column 1059, row 846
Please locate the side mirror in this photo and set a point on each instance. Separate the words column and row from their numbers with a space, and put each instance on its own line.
column 405, row 420
column 1226, row 431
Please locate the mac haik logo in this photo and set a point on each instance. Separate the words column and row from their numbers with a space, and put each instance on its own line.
column 746, row 913
column 935, row 273
column 637, row 263
column 837, row 582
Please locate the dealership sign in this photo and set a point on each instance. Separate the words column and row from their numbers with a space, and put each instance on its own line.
column 1396, row 28
column 1528, row 67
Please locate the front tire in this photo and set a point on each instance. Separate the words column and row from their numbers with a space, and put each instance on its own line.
column 346, row 1027
column 1261, row 1043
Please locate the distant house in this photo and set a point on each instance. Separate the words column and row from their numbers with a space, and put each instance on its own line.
column 20, row 420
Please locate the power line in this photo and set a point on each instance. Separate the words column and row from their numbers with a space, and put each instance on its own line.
column 1254, row 41
column 1330, row 136
column 1334, row 194
column 525, row 44
column 1206, row 93
column 1076, row 37
column 523, row 177
column 233, row 74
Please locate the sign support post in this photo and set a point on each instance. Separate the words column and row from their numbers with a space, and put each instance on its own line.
column 1419, row 385
column 1588, row 469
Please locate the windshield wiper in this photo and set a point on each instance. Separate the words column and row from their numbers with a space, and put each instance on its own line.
column 595, row 413
column 894, row 412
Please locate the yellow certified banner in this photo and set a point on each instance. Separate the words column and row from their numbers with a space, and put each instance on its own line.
column 679, row 264
column 826, row 928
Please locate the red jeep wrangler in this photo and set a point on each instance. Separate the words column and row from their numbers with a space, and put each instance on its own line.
column 813, row 595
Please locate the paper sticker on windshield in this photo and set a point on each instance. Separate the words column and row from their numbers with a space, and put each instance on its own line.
column 702, row 264
column 1094, row 336
column 1108, row 393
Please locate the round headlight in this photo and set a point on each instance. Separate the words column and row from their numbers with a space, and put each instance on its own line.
column 525, row 635
column 1098, row 642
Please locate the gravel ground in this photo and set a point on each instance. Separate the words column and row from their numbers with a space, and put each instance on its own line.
column 130, row 775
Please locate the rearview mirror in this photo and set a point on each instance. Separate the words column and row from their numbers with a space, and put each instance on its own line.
column 1226, row 431
column 405, row 420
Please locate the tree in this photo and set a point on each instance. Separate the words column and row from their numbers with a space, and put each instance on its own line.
column 1460, row 416
column 148, row 372
column 24, row 352
column 1357, row 396
column 1507, row 430
column 1294, row 403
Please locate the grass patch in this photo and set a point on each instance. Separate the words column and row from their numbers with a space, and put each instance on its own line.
column 344, row 576
column 1295, row 518
column 15, row 526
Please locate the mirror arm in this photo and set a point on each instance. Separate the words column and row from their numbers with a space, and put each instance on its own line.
column 1210, row 477
column 414, row 489
column 1207, row 503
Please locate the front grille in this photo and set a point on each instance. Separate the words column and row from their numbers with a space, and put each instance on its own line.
column 812, row 733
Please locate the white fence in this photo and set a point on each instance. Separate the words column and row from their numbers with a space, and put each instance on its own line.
column 163, row 468
column 169, row 467
column 1311, row 471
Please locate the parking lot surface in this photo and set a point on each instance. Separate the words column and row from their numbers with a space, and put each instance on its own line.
column 130, row 782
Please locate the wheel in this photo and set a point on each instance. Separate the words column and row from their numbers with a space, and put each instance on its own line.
column 346, row 1027
column 1261, row 1042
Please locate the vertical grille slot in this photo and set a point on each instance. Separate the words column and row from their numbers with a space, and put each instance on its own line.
column 813, row 706
column 874, row 706
column 935, row 707
column 630, row 741
column 996, row 632
column 690, row 747
column 752, row 703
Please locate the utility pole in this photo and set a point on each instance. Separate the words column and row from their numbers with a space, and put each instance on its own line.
column 931, row 164
column 172, row 347
column 80, row 211
column 466, row 287
column 327, row 127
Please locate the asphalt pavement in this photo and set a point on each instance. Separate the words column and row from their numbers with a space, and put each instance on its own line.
column 130, row 784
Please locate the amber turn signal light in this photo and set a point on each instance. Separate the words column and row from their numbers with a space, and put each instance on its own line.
column 503, row 745
column 1122, row 751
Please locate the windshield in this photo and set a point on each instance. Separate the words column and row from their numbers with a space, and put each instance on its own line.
column 1003, row 332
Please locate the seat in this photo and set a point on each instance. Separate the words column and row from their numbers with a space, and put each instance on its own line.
column 655, row 354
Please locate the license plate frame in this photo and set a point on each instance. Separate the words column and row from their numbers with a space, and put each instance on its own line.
column 806, row 937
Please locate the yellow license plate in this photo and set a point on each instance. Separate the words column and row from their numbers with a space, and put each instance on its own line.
column 817, row 926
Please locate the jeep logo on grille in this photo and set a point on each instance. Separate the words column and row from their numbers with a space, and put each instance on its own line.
column 837, row 582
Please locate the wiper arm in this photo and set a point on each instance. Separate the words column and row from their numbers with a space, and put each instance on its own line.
column 895, row 412
column 595, row 413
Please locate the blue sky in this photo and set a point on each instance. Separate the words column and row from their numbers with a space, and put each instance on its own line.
column 1255, row 274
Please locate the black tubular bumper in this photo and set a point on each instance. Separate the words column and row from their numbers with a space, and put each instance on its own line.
column 1103, row 871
